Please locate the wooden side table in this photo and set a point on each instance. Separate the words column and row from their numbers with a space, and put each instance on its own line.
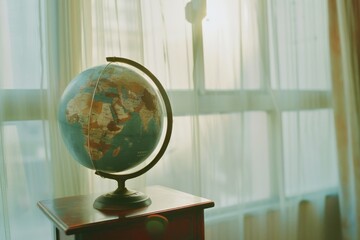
column 172, row 215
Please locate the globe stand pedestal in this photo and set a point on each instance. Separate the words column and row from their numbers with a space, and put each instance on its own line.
column 122, row 198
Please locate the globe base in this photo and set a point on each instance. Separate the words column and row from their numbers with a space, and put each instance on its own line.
column 121, row 200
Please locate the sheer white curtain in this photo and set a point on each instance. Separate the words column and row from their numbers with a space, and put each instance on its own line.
column 24, row 169
column 250, row 88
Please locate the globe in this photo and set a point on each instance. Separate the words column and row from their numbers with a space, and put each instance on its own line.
column 111, row 118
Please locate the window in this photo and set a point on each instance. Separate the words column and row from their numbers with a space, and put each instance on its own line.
column 253, row 120
column 263, row 102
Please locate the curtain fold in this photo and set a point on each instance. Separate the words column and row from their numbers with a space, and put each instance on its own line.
column 69, row 178
column 345, row 38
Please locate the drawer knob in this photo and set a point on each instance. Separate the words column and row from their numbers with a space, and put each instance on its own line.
column 156, row 225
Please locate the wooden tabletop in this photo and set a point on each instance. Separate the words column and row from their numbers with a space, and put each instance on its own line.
column 76, row 213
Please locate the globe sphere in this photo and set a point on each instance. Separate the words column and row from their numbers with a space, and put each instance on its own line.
column 111, row 118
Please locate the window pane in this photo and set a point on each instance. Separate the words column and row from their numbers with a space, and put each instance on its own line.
column 168, row 42
column 115, row 30
column 177, row 168
column 303, row 44
column 231, row 45
column 27, row 180
column 309, row 151
column 234, row 155
column 20, row 44
column 235, row 163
